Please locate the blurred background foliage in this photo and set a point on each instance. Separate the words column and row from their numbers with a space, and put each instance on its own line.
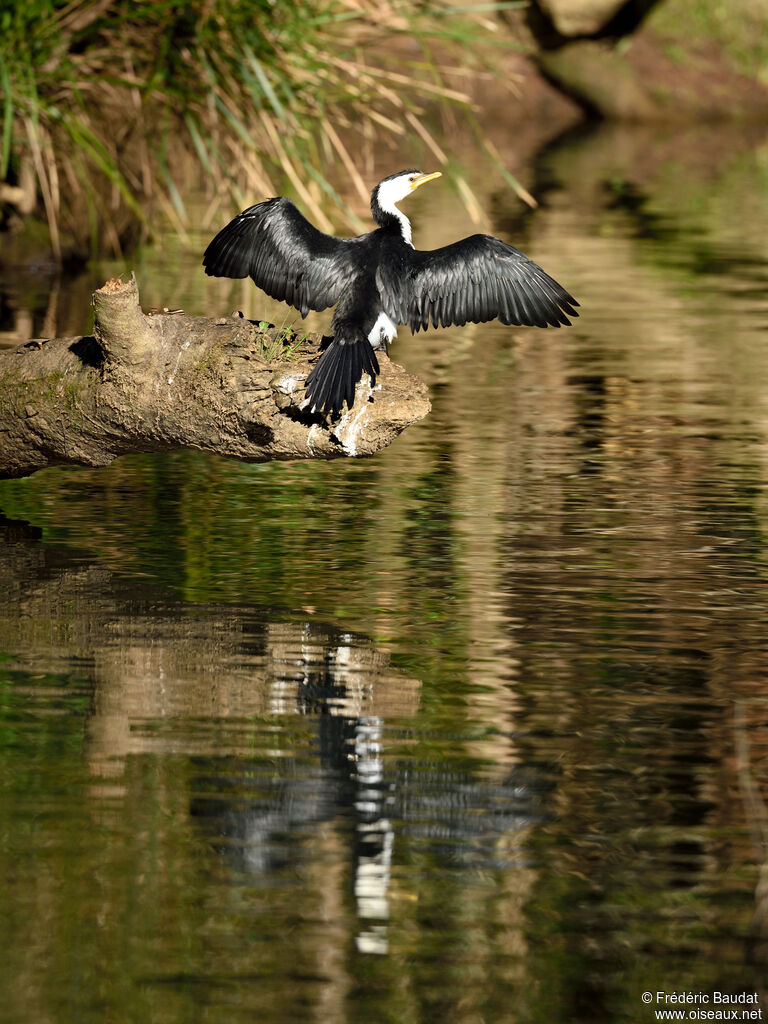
column 113, row 109
column 122, row 117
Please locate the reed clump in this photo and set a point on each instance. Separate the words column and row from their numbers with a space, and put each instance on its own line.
column 113, row 109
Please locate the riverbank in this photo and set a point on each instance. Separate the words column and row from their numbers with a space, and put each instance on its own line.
column 520, row 79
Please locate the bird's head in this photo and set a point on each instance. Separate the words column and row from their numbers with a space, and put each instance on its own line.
column 390, row 191
column 399, row 186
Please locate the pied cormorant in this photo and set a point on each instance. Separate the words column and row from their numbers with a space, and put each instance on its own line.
column 378, row 281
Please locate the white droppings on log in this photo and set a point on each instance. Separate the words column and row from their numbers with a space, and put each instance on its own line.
column 288, row 384
column 310, row 447
column 352, row 422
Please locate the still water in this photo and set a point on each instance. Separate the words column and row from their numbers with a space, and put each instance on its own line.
column 473, row 731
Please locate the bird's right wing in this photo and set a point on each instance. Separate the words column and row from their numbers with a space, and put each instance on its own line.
column 285, row 255
column 482, row 278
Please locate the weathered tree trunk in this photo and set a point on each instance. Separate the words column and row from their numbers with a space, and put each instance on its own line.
column 146, row 383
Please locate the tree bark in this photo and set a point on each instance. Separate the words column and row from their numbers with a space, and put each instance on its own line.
column 146, row 383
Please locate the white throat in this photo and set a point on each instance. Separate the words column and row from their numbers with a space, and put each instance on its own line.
column 405, row 225
column 391, row 192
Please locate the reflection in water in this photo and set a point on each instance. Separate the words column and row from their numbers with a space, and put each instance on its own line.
column 497, row 750
column 375, row 836
column 228, row 690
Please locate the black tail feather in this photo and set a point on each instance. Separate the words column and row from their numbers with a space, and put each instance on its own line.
column 334, row 377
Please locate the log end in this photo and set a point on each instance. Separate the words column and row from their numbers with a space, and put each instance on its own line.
column 379, row 413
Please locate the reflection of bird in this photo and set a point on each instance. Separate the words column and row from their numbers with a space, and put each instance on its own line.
column 378, row 280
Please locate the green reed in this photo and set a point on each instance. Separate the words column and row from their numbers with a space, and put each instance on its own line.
column 113, row 110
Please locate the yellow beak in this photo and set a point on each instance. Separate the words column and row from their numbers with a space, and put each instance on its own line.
column 424, row 179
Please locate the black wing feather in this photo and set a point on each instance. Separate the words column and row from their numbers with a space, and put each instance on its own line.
column 482, row 278
column 285, row 255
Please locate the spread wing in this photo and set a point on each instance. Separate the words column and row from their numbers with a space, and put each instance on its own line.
column 285, row 255
column 482, row 278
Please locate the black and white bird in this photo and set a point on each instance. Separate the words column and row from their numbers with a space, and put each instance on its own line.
column 378, row 281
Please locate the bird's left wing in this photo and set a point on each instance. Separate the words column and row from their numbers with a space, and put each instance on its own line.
column 482, row 278
column 285, row 255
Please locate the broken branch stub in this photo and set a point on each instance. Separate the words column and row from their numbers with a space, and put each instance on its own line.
column 168, row 381
column 123, row 332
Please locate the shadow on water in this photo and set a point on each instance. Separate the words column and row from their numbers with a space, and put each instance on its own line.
column 472, row 730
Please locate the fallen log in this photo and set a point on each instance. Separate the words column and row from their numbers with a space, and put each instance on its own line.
column 169, row 381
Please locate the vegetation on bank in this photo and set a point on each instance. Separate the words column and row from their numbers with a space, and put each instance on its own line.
column 113, row 112
column 737, row 28
column 111, row 109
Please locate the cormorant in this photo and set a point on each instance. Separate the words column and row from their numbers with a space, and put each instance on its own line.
column 378, row 281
